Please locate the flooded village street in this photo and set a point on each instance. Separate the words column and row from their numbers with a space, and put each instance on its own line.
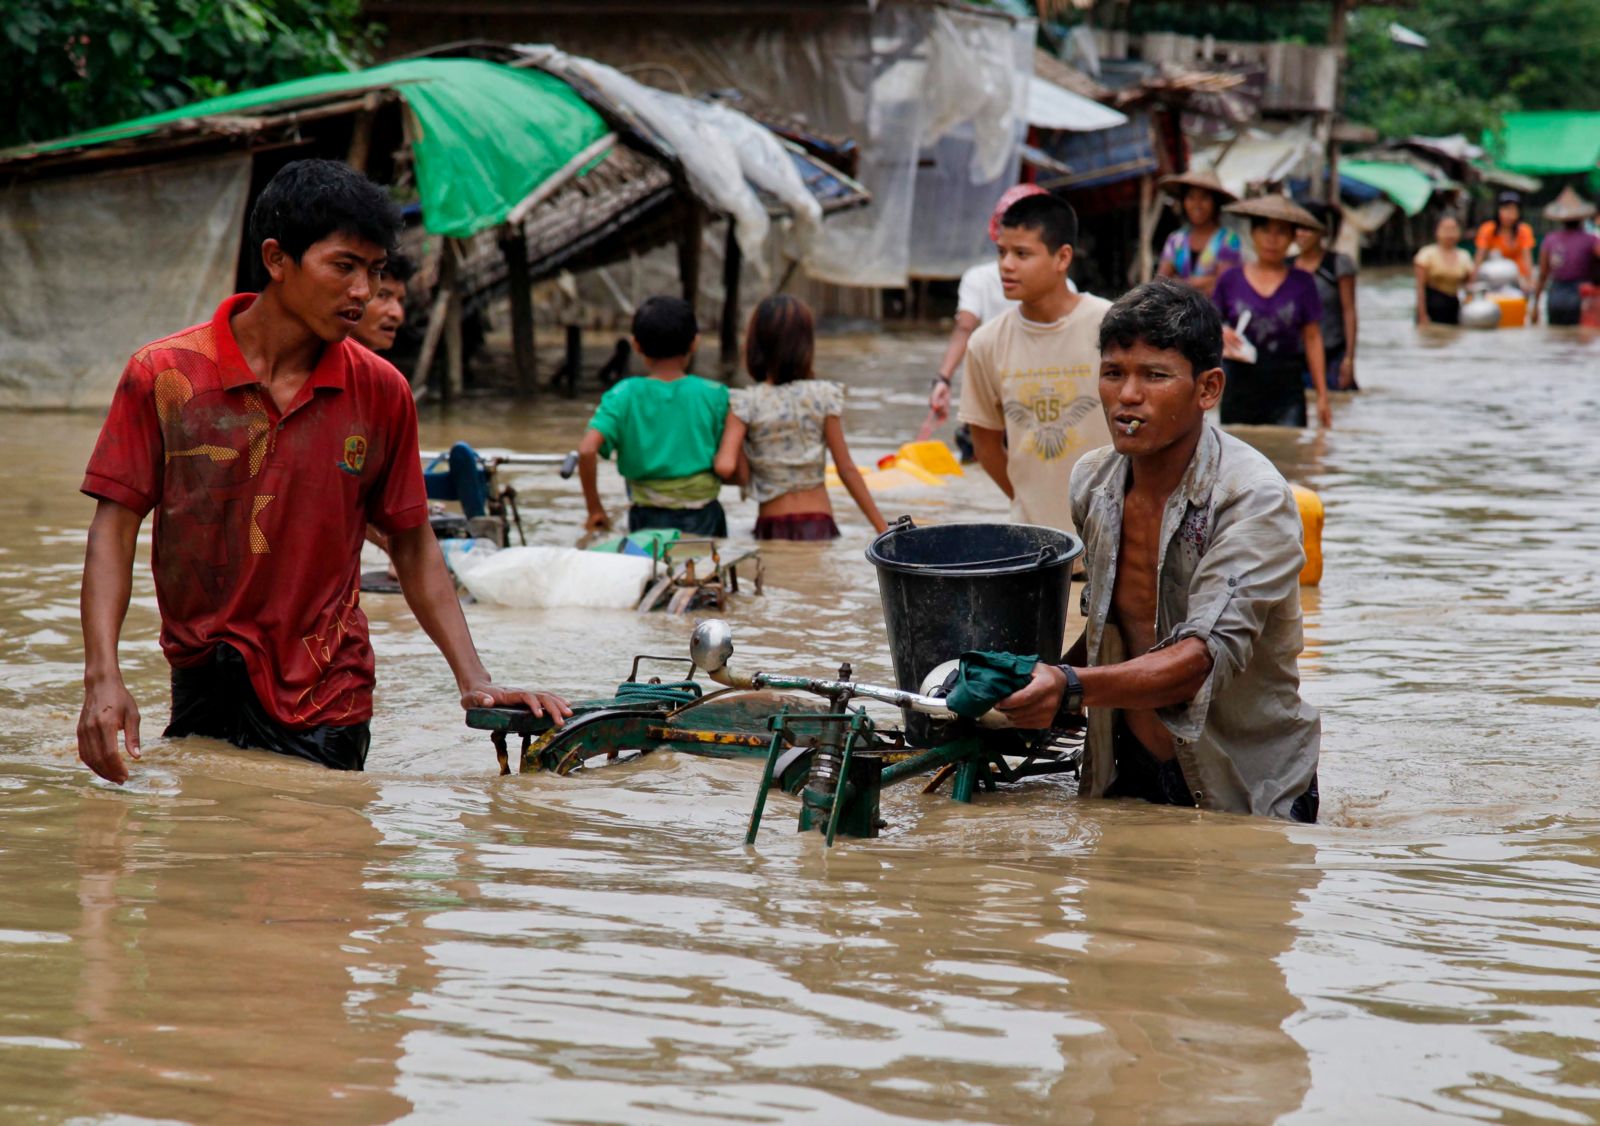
column 238, row 937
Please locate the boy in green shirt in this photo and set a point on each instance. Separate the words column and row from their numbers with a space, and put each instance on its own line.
column 664, row 429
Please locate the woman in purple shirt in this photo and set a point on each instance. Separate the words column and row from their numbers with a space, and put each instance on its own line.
column 1565, row 259
column 1282, row 338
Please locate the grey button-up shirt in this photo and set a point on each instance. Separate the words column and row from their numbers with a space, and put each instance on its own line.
column 1229, row 574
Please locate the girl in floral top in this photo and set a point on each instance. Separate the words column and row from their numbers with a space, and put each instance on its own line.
column 780, row 432
column 1202, row 250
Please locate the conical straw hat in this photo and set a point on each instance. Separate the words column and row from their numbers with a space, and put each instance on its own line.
column 1196, row 178
column 1275, row 206
column 1568, row 207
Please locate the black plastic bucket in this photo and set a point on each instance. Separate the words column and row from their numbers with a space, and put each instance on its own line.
column 950, row 588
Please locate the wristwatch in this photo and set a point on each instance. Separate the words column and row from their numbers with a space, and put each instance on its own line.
column 1072, row 694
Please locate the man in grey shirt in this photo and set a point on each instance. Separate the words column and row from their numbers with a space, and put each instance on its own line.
column 1193, row 549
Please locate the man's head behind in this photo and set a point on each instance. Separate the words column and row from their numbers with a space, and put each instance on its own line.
column 321, row 232
column 386, row 311
column 1160, row 365
column 664, row 328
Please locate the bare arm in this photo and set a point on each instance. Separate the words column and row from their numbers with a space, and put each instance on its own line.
column 989, row 446
column 1205, row 283
column 1317, row 362
column 849, row 475
column 589, row 478
column 1347, row 302
column 108, row 707
column 955, row 351
column 730, row 463
column 1538, row 286
column 1422, row 294
column 1161, row 678
column 431, row 594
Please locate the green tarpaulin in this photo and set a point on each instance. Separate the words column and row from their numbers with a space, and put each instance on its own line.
column 1552, row 142
column 1405, row 185
column 487, row 135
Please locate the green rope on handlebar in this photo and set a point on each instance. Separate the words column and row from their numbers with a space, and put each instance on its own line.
column 676, row 693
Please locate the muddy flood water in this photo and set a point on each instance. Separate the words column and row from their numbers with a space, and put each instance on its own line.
column 234, row 937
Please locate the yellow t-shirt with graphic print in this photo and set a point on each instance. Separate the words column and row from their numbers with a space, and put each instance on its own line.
column 1040, row 384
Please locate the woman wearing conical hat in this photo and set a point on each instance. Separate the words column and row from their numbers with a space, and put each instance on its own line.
column 1565, row 259
column 1266, row 357
column 1201, row 250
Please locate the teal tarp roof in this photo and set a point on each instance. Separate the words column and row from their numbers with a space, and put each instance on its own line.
column 1409, row 187
column 486, row 135
column 1547, row 142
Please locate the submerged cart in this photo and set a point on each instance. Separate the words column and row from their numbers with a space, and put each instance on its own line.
column 945, row 590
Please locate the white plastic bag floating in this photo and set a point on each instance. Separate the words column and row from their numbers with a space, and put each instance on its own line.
column 541, row 577
column 462, row 555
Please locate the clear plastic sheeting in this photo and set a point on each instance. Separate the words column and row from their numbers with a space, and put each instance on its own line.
column 722, row 151
column 96, row 266
column 955, row 189
column 897, row 78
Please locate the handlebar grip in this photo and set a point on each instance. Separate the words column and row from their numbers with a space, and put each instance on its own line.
column 569, row 465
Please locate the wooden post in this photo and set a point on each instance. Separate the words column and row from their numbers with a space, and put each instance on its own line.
column 732, row 268
column 361, row 134
column 574, row 358
column 454, row 345
column 515, row 248
column 438, row 317
column 689, row 232
column 1336, row 41
column 1147, row 227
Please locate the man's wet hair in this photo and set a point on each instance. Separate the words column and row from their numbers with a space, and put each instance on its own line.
column 308, row 200
column 1052, row 218
column 1166, row 314
column 665, row 327
column 399, row 267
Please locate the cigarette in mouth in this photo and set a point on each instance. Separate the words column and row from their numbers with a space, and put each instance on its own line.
column 1132, row 427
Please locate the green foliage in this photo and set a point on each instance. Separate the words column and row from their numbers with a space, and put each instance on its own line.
column 1484, row 58
column 69, row 65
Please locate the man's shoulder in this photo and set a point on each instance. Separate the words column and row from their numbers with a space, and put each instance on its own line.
column 1242, row 468
column 196, row 341
column 1094, row 469
column 371, row 368
column 1091, row 308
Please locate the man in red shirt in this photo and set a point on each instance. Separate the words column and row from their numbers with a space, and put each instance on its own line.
column 265, row 442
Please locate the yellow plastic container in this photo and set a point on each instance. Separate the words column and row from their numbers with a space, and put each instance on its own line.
column 1311, row 516
column 1513, row 309
column 932, row 455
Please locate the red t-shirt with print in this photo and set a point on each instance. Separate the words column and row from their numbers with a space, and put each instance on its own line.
column 260, row 514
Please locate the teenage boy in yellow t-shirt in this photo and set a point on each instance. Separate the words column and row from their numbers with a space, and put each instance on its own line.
column 1031, row 395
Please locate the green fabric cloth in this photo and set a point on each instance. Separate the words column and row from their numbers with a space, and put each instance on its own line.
column 1408, row 187
column 984, row 679
column 485, row 135
column 649, row 541
column 661, row 429
column 695, row 491
column 1546, row 142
